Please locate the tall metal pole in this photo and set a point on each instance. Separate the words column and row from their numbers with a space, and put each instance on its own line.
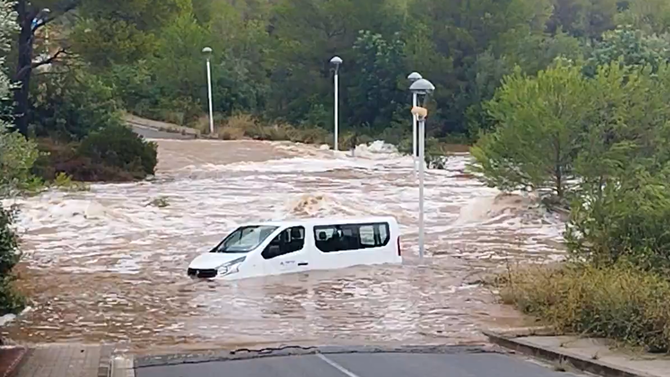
column 414, row 121
column 426, row 88
column 209, row 95
column 336, row 145
column 422, row 129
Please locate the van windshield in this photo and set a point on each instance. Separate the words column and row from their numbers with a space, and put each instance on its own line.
column 244, row 239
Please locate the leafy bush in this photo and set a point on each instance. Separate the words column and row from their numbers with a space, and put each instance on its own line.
column 119, row 147
column 17, row 156
column 618, row 302
column 65, row 182
column 628, row 221
column 124, row 157
column 10, row 301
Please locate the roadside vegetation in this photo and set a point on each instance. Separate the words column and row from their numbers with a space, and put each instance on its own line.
column 16, row 158
column 591, row 136
column 621, row 302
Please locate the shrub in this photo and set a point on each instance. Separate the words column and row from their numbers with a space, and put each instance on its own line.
column 111, row 155
column 64, row 182
column 10, row 301
column 119, row 147
column 59, row 157
column 17, row 156
column 618, row 302
column 627, row 221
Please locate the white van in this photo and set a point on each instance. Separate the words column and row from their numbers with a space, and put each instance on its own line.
column 293, row 246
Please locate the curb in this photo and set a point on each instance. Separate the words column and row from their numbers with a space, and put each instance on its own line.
column 12, row 369
column 121, row 366
column 584, row 364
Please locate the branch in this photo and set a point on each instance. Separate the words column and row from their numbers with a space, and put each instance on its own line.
column 26, row 69
column 50, row 60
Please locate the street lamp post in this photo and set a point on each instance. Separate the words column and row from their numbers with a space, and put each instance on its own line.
column 207, row 51
column 336, row 61
column 421, row 87
column 413, row 77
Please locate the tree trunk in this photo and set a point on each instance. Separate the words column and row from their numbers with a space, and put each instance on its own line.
column 24, row 66
column 558, row 169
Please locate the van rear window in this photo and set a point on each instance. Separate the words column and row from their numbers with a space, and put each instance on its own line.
column 334, row 238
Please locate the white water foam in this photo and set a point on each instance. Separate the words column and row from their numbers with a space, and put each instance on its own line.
column 111, row 240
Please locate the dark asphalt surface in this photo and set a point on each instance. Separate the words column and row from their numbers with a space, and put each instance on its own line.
column 361, row 365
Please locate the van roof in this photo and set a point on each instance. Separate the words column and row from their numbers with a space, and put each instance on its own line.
column 325, row 221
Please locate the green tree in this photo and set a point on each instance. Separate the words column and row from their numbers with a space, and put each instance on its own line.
column 122, row 32
column 651, row 16
column 72, row 104
column 459, row 31
column 583, row 18
column 307, row 33
column 26, row 13
column 628, row 127
column 633, row 48
column 17, row 154
column 378, row 91
column 538, row 121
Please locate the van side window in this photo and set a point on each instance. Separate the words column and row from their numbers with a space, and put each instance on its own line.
column 367, row 234
column 286, row 242
column 334, row 238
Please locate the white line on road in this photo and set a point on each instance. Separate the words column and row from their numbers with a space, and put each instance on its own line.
column 337, row 366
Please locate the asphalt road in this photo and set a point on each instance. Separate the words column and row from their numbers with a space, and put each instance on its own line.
column 361, row 365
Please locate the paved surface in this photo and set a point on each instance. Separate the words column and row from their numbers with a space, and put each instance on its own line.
column 152, row 129
column 151, row 133
column 66, row 360
column 360, row 365
column 600, row 353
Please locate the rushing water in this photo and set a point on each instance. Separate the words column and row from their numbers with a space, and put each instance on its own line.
column 107, row 265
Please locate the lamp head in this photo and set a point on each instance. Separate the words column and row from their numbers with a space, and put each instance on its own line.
column 207, row 51
column 414, row 76
column 422, row 86
column 336, row 61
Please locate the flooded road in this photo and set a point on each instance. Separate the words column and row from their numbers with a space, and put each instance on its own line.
column 110, row 265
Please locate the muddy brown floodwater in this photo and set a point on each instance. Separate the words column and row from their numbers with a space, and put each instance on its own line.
column 107, row 265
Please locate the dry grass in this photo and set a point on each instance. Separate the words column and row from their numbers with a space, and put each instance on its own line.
column 244, row 126
column 619, row 303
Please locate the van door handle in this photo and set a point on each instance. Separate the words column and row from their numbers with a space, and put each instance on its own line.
column 303, row 264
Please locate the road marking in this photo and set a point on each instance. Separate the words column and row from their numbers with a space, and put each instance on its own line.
column 337, row 366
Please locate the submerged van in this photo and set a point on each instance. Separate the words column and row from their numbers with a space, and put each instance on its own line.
column 294, row 246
